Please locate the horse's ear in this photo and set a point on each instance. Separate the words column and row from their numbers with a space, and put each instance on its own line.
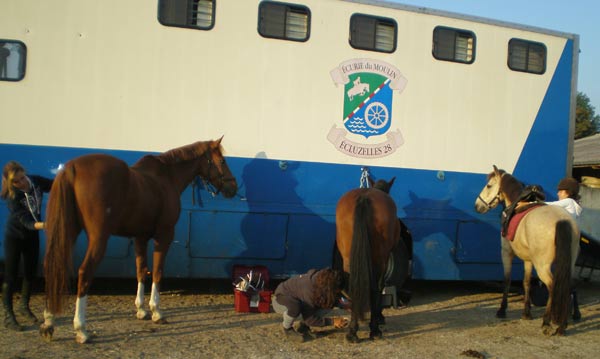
column 219, row 140
column 391, row 182
column 496, row 170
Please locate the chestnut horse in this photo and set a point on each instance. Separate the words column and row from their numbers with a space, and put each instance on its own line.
column 546, row 238
column 367, row 231
column 103, row 196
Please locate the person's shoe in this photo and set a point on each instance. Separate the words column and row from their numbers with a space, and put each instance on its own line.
column 292, row 335
column 303, row 328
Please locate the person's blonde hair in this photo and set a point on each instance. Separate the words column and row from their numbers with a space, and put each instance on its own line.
column 8, row 174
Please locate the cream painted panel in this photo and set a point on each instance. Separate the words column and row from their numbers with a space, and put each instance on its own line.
column 108, row 75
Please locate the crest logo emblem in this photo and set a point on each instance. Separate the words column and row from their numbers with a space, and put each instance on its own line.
column 369, row 87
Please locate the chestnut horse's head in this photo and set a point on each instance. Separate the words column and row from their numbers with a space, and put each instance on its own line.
column 216, row 171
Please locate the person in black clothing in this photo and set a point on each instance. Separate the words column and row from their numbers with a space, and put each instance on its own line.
column 23, row 196
column 308, row 298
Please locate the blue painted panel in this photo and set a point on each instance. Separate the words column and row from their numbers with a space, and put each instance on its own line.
column 433, row 248
column 310, row 243
column 237, row 235
column 478, row 242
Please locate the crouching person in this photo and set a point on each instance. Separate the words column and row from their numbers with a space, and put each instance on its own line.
column 308, row 299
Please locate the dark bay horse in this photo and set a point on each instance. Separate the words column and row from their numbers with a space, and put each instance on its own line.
column 547, row 238
column 367, row 231
column 103, row 196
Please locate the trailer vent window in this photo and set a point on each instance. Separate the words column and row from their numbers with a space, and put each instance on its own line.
column 527, row 56
column 453, row 45
column 194, row 14
column 283, row 21
column 12, row 60
column 373, row 33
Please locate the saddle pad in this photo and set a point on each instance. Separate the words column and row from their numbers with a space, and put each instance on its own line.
column 514, row 222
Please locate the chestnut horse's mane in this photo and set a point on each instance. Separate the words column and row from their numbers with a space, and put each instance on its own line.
column 185, row 153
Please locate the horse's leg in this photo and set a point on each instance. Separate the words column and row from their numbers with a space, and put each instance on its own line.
column 545, row 275
column 526, row 288
column 352, row 329
column 47, row 328
column 507, row 258
column 141, row 264
column 95, row 252
column 161, row 247
column 575, row 304
column 376, row 315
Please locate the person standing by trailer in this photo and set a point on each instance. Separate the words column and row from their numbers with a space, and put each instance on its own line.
column 568, row 197
column 23, row 195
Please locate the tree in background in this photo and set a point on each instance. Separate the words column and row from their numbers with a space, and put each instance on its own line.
column 587, row 123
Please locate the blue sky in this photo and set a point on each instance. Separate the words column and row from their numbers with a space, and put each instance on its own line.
column 581, row 17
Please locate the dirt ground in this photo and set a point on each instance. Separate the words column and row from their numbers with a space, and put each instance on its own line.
column 443, row 320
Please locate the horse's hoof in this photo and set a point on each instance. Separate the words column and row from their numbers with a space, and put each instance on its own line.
column 46, row 332
column 547, row 330
column 577, row 315
column 381, row 320
column 142, row 315
column 82, row 338
column 501, row 314
column 559, row 331
column 526, row 316
column 376, row 335
column 160, row 321
column 351, row 338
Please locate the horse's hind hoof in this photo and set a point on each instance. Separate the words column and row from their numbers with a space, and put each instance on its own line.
column 160, row 321
column 46, row 332
column 351, row 338
column 376, row 335
column 501, row 314
column 577, row 315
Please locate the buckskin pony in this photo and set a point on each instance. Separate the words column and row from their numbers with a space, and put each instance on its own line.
column 103, row 196
column 546, row 238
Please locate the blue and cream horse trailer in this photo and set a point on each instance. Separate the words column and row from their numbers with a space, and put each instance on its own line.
column 311, row 97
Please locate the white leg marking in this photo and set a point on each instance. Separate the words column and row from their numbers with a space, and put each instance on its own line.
column 81, row 336
column 139, row 302
column 155, row 303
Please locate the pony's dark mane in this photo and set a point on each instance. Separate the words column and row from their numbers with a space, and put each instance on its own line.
column 185, row 153
column 511, row 187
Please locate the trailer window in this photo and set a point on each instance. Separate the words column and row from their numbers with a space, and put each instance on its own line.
column 194, row 14
column 283, row 21
column 12, row 60
column 373, row 33
column 453, row 45
column 527, row 56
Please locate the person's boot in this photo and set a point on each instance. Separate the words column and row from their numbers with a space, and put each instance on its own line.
column 10, row 322
column 24, row 308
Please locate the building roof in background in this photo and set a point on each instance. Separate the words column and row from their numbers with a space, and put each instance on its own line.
column 586, row 151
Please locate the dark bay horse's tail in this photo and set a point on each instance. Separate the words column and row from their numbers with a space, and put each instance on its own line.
column 562, row 273
column 360, row 257
column 62, row 227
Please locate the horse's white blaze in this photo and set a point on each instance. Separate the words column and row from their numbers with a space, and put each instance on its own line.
column 154, row 303
column 139, row 301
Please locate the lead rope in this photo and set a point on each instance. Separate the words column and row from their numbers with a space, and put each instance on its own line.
column 364, row 177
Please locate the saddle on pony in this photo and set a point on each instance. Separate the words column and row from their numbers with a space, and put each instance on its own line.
column 531, row 197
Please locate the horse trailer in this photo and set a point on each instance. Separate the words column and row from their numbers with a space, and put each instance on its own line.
column 311, row 96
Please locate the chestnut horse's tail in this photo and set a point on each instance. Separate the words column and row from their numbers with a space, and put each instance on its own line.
column 62, row 228
column 561, row 294
column 360, row 257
